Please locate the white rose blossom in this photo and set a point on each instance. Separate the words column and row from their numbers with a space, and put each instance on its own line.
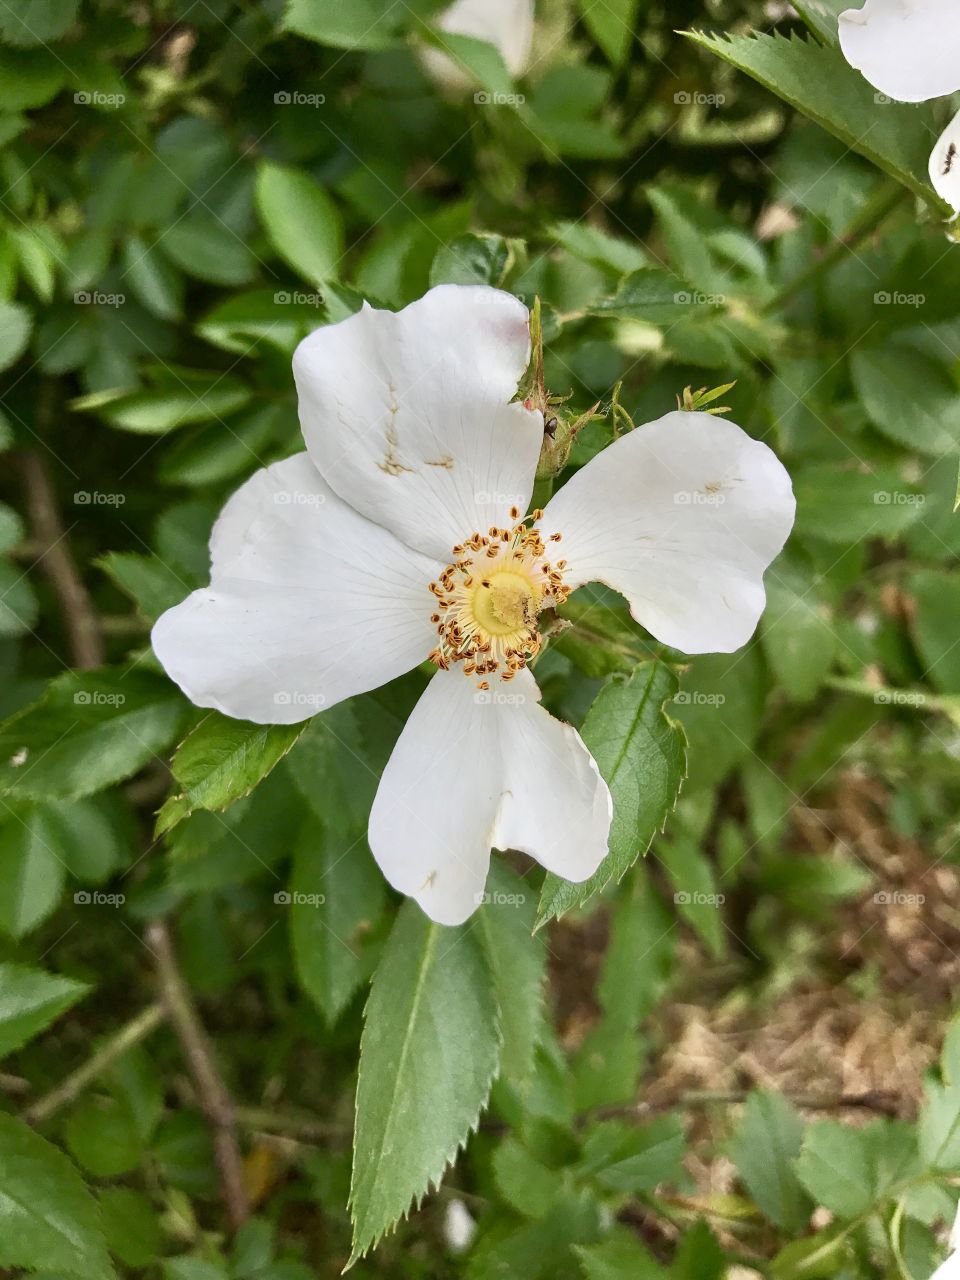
column 908, row 49
column 397, row 537
column 506, row 24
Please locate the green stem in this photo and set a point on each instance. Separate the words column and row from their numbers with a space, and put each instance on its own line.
column 138, row 1029
column 870, row 217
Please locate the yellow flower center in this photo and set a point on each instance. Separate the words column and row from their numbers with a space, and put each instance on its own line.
column 506, row 603
column 489, row 598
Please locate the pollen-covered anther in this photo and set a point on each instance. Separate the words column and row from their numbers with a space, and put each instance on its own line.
column 489, row 602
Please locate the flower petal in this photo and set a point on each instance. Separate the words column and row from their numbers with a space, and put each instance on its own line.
column 908, row 49
column 308, row 603
column 506, row 24
column 945, row 164
column 408, row 416
column 475, row 770
column 682, row 517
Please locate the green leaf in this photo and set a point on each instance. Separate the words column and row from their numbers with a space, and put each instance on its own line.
column 157, row 411
column 524, row 1182
column 620, row 1257
column 102, row 1136
column 88, row 730
column 336, row 898
column 611, row 25
column 31, row 869
column 798, row 639
column 428, row 1056
column 909, row 396
column 301, row 221
column 149, row 581
column 641, row 754
column 18, row 603
column 834, row 1167
column 936, row 597
column 655, row 296
column 155, row 282
column 363, row 24
column 30, row 1000
column 819, row 82
column 822, row 17
column 634, row 1159
column 764, row 1148
column 474, row 259
column 479, row 59
column 696, row 896
column 33, row 22
column 841, row 505
column 131, row 1225
column 50, row 1220
column 516, row 960
column 222, row 760
column 15, row 325
column 208, row 249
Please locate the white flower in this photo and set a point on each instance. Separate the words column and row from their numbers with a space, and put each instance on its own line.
column 908, row 49
column 506, row 24
column 398, row 537
column 945, row 165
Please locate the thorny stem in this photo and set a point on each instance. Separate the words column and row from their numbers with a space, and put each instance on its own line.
column 83, row 625
column 212, row 1094
column 136, row 1030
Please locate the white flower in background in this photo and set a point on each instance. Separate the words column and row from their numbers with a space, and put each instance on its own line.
column 908, row 49
column 506, row 24
column 945, row 165
column 397, row 537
